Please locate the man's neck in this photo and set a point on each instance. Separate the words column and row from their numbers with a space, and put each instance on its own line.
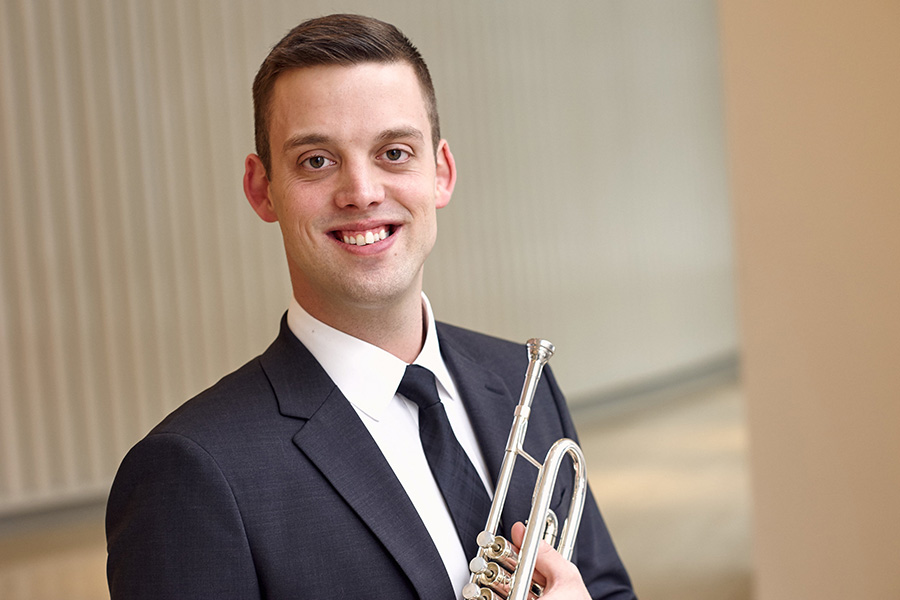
column 398, row 328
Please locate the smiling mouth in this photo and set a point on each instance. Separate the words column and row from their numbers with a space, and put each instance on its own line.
column 366, row 237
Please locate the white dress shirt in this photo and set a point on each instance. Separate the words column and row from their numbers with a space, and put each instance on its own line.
column 369, row 377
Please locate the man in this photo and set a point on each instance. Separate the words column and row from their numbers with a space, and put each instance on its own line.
column 303, row 474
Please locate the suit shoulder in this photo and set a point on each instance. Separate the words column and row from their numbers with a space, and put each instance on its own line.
column 227, row 404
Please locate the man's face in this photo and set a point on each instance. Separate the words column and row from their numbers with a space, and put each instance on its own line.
column 354, row 184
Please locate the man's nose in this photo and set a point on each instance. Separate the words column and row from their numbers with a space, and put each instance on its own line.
column 360, row 186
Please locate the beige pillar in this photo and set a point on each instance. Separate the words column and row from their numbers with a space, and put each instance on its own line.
column 813, row 117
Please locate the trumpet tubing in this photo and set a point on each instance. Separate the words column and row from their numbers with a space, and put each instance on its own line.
column 498, row 571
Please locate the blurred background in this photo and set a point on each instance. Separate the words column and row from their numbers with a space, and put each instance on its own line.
column 697, row 202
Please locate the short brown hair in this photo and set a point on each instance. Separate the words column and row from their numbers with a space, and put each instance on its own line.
column 335, row 40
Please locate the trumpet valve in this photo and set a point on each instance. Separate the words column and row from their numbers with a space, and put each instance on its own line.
column 485, row 539
column 471, row 591
column 478, row 565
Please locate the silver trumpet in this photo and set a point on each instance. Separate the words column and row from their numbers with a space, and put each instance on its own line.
column 498, row 571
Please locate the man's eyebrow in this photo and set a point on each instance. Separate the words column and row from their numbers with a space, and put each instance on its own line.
column 312, row 139
column 400, row 133
column 304, row 140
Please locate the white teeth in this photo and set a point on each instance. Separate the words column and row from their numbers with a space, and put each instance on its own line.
column 369, row 237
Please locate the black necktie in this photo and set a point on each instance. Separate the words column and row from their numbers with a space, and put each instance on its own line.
column 460, row 484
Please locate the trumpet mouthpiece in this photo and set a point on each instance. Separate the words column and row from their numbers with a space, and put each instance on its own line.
column 540, row 350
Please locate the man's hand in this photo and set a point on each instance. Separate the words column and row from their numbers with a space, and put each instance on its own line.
column 560, row 578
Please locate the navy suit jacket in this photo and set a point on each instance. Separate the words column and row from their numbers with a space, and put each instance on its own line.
column 268, row 485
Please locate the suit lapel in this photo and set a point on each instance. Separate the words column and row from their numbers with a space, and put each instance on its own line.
column 485, row 396
column 362, row 476
column 337, row 442
column 491, row 405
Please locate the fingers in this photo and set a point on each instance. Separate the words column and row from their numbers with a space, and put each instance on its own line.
column 518, row 535
column 559, row 577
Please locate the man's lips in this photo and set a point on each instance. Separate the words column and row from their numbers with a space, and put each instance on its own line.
column 363, row 237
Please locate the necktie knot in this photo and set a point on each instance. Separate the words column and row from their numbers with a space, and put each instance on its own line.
column 418, row 386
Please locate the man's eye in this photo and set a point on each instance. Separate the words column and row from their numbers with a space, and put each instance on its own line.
column 317, row 162
column 396, row 155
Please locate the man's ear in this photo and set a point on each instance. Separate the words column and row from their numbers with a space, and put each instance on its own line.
column 256, row 188
column 445, row 175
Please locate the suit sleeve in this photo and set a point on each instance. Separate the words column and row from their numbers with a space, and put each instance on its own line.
column 173, row 527
column 595, row 555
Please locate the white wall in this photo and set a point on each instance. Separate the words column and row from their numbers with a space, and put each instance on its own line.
column 591, row 207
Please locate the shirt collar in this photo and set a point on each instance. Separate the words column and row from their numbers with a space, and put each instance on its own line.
column 367, row 375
